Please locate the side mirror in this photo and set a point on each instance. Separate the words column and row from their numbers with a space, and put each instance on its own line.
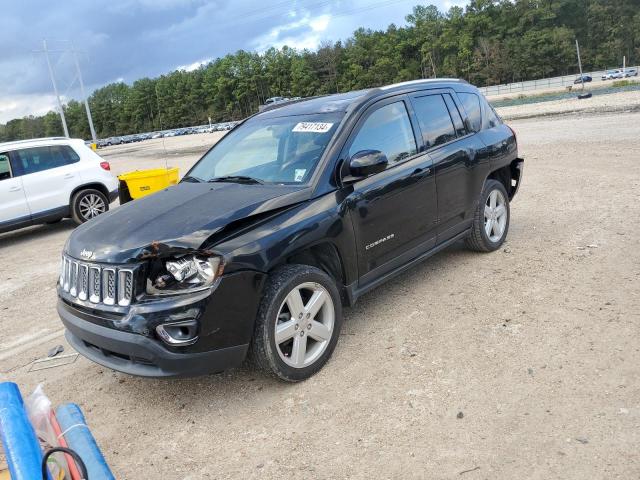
column 365, row 163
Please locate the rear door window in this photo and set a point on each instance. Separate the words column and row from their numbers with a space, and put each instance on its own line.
column 471, row 104
column 38, row 159
column 5, row 167
column 455, row 115
column 434, row 120
column 387, row 129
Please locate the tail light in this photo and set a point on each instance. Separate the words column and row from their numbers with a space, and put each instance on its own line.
column 515, row 137
column 105, row 166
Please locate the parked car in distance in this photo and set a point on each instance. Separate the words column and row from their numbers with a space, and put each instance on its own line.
column 45, row 180
column 291, row 216
column 583, row 78
column 631, row 72
column 612, row 75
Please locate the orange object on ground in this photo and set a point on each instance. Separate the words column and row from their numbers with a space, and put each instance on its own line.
column 73, row 468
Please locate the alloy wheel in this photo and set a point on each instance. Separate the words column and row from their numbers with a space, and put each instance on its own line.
column 91, row 205
column 304, row 325
column 495, row 216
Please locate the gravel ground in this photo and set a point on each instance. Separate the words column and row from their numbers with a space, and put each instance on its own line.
column 521, row 363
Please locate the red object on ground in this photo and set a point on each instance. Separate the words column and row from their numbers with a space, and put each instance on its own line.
column 73, row 468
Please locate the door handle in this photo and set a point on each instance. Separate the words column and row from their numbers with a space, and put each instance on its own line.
column 14, row 189
column 69, row 175
column 421, row 172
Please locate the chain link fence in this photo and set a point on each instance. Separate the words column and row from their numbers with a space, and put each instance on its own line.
column 544, row 83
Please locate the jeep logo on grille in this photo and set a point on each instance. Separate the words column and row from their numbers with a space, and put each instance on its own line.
column 86, row 254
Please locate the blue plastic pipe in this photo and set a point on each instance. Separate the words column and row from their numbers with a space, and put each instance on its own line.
column 79, row 438
column 19, row 441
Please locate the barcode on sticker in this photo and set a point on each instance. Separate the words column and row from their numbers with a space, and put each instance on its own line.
column 315, row 127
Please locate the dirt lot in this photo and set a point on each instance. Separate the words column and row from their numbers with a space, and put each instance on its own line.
column 523, row 363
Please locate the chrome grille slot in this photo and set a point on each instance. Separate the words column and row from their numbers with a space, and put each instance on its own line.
column 94, row 284
column 98, row 284
column 109, row 286
column 83, row 281
column 125, row 287
column 73, row 279
column 67, row 270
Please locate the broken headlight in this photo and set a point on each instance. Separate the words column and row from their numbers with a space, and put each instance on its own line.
column 184, row 274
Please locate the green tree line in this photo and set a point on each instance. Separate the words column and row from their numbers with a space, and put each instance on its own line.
column 488, row 42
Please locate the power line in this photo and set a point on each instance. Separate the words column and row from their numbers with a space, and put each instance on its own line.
column 55, row 88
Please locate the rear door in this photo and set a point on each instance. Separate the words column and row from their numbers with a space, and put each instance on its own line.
column 49, row 175
column 13, row 203
column 394, row 211
column 454, row 151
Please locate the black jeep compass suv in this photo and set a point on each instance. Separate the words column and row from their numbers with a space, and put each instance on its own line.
column 294, row 214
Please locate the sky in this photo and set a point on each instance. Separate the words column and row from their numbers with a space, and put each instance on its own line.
column 123, row 40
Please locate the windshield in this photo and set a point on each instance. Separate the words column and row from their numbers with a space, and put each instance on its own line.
column 270, row 150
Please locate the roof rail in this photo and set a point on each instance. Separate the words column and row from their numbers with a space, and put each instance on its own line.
column 276, row 105
column 17, row 142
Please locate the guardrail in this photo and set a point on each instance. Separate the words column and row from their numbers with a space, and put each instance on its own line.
column 532, row 85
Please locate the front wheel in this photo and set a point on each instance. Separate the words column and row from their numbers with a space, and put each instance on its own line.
column 491, row 219
column 298, row 323
column 87, row 204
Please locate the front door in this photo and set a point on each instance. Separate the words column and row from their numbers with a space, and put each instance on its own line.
column 14, row 210
column 393, row 212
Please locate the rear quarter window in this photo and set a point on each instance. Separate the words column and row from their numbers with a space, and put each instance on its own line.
column 491, row 118
column 471, row 104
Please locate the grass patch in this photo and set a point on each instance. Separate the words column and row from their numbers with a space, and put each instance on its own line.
column 622, row 83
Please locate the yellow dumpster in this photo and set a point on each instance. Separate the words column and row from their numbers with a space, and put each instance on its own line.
column 140, row 183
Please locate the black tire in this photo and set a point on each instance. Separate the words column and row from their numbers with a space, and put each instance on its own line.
column 263, row 352
column 478, row 239
column 77, row 213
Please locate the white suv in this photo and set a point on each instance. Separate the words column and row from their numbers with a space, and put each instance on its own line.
column 47, row 179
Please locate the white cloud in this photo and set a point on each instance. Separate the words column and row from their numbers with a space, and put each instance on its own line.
column 18, row 106
column 194, row 66
column 454, row 3
column 299, row 34
column 320, row 24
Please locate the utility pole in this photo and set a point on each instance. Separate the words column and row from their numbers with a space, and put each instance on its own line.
column 579, row 63
column 84, row 97
column 55, row 89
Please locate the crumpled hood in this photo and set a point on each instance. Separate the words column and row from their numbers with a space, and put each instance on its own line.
column 179, row 217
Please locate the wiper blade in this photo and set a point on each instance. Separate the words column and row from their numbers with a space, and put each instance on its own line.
column 189, row 178
column 237, row 179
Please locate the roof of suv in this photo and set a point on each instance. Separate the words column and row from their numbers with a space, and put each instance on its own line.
column 35, row 142
column 341, row 102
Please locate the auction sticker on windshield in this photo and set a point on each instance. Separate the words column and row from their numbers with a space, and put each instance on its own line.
column 314, row 127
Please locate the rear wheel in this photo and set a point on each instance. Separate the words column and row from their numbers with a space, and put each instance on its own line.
column 298, row 323
column 87, row 204
column 491, row 219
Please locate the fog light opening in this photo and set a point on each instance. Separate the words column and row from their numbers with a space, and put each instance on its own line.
column 178, row 333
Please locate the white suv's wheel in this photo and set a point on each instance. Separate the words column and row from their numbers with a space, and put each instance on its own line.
column 87, row 204
column 298, row 323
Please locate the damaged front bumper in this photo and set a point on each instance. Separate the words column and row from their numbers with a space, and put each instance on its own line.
column 130, row 340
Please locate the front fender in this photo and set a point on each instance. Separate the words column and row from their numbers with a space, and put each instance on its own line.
column 310, row 223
